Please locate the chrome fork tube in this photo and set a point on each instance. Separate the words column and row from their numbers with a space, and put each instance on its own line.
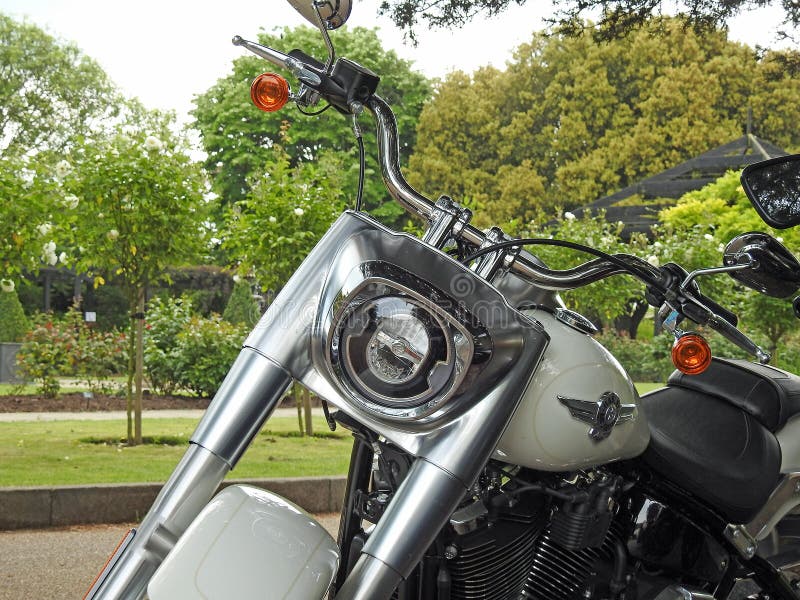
column 247, row 397
column 419, row 510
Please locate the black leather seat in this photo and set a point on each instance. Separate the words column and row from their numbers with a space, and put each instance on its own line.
column 711, row 434
column 771, row 395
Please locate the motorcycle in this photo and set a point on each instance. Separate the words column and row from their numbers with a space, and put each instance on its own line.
column 499, row 451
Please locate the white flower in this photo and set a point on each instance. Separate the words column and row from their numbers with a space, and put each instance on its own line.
column 49, row 254
column 653, row 260
column 63, row 168
column 112, row 234
column 569, row 216
column 780, row 239
column 71, row 201
column 236, row 279
column 709, row 237
column 721, row 248
column 299, row 211
column 152, row 143
column 62, row 258
column 657, row 244
column 44, row 229
column 6, row 285
column 273, row 220
column 49, row 247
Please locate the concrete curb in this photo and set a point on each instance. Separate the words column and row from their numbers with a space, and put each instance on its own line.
column 41, row 507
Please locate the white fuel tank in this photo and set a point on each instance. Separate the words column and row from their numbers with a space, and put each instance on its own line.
column 580, row 410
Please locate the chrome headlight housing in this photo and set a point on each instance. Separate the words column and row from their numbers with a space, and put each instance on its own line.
column 400, row 347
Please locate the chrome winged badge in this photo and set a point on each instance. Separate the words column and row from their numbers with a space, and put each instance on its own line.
column 602, row 414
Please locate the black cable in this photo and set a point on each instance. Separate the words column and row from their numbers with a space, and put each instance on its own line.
column 564, row 244
column 362, row 167
column 315, row 113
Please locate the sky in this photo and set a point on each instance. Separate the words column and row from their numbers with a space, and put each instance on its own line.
column 166, row 51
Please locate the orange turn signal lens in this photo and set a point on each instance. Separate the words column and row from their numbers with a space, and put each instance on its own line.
column 269, row 92
column 691, row 354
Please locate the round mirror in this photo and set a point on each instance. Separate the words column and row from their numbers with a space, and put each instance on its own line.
column 774, row 271
column 773, row 187
column 334, row 13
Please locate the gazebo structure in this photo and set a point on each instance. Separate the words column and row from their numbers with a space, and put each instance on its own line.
column 675, row 182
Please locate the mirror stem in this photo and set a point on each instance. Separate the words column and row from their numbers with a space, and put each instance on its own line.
column 713, row 270
column 328, row 43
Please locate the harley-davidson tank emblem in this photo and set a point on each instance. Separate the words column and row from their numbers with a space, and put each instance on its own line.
column 602, row 414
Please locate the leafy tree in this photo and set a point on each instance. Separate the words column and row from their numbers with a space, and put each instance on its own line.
column 618, row 16
column 50, row 92
column 286, row 212
column 238, row 138
column 571, row 120
column 138, row 208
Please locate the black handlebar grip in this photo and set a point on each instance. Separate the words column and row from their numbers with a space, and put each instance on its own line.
column 716, row 308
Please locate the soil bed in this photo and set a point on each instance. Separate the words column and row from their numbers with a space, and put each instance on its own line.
column 78, row 402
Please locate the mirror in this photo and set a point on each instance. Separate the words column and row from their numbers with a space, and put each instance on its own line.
column 775, row 271
column 334, row 12
column 773, row 187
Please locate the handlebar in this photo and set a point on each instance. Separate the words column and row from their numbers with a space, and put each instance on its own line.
column 705, row 310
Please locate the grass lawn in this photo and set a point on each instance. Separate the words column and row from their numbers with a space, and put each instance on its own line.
column 52, row 453
column 643, row 388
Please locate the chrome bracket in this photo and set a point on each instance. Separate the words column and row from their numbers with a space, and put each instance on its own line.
column 741, row 539
column 784, row 498
column 447, row 220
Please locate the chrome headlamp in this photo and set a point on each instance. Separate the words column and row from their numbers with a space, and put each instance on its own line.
column 397, row 349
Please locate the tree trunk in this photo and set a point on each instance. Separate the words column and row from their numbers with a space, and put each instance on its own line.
column 299, row 405
column 131, row 369
column 137, row 403
column 307, row 409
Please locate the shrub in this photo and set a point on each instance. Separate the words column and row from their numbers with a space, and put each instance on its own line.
column 13, row 323
column 242, row 308
column 68, row 347
column 205, row 350
column 644, row 360
column 166, row 318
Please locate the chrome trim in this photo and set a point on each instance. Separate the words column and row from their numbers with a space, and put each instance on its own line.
column 677, row 592
column 602, row 414
column 248, row 395
column 462, row 353
column 575, row 320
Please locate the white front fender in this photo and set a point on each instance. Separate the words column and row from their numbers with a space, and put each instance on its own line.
column 248, row 543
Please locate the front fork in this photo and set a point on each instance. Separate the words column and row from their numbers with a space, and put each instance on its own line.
column 245, row 400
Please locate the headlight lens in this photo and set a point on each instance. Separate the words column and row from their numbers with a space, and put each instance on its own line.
column 396, row 351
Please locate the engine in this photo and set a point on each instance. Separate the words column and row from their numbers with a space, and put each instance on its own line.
column 553, row 540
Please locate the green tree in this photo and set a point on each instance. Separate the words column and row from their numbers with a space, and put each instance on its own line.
column 573, row 119
column 618, row 16
column 50, row 92
column 139, row 208
column 286, row 212
column 238, row 137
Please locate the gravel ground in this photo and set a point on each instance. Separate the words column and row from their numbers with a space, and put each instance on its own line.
column 62, row 563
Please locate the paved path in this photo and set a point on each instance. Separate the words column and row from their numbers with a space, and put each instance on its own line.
column 113, row 415
column 62, row 563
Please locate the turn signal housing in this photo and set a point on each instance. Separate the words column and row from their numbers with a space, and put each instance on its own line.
column 269, row 92
column 691, row 354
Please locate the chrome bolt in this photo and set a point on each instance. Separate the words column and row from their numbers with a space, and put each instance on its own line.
column 450, row 552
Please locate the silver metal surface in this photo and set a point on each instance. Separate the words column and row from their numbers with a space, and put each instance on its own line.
column 334, row 13
column 741, row 539
column 677, row 592
column 296, row 328
column 276, row 58
column 189, row 488
column 446, row 215
column 602, row 414
column 370, row 579
column 421, row 506
column 575, row 320
column 247, row 396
